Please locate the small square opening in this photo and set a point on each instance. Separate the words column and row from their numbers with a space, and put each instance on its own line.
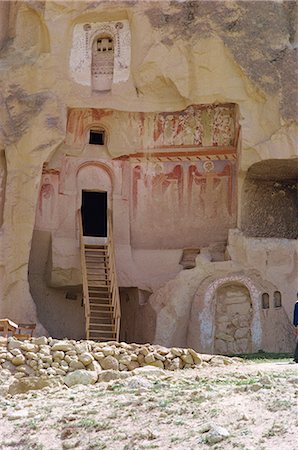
column 96, row 137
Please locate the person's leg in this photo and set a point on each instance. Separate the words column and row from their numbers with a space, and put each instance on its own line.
column 296, row 352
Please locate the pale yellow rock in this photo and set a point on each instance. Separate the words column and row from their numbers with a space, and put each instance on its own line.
column 81, row 377
column 58, row 355
column 28, row 347
column 18, row 360
column 133, row 365
column 125, row 359
column 108, row 351
column 109, row 362
column 26, row 369
column 42, row 340
column 86, row 358
column 99, row 356
column 63, row 346
column 75, row 365
column 157, row 363
column 150, row 358
column 176, row 351
column 187, row 359
column 33, row 356
column 141, row 358
column 13, row 343
column 195, row 356
column 94, row 366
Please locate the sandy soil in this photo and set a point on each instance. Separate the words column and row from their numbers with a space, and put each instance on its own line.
column 243, row 406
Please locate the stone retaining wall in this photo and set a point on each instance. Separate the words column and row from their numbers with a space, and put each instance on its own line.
column 68, row 358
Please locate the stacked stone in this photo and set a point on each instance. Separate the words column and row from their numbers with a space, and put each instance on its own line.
column 233, row 317
column 51, row 357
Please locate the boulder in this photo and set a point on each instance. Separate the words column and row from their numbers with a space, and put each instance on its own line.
column 109, row 375
column 18, row 360
column 31, row 383
column 13, row 343
column 42, row 340
column 28, row 347
column 216, row 434
column 81, row 377
column 64, row 346
column 109, row 362
column 86, row 358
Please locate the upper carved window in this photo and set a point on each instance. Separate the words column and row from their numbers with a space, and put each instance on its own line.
column 265, row 301
column 102, row 63
column 277, row 299
column 97, row 137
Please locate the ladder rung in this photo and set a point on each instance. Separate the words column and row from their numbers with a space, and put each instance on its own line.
column 96, row 304
column 105, row 332
column 91, row 246
column 96, row 250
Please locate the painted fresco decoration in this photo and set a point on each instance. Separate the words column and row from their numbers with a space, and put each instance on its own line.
column 175, row 182
column 188, row 202
column 198, row 126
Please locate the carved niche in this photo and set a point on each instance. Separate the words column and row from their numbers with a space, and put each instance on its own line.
column 100, row 54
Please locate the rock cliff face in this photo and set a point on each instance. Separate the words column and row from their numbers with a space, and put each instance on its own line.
column 169, row 56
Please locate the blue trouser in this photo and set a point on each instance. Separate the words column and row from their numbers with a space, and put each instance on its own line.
column 296, row 351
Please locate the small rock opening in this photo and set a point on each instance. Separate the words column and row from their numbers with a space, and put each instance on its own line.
column 269, row 201
column 265, row 301
column 277, row 299
column 97, row 137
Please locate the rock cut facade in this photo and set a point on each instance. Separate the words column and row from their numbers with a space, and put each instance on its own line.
column 183, row 115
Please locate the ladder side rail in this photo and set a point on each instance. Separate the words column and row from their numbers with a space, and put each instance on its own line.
column 114, row 284
column 84, row 276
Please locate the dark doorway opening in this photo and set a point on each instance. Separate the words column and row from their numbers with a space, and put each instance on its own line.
column 94, row 213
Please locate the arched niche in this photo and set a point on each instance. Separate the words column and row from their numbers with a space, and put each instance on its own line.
column 233, row 317
column 84, row 48
column 277, row 299
column 102, row 66
column 269, row 206
column 208, row 312
column 265, row 301
column 95, row 177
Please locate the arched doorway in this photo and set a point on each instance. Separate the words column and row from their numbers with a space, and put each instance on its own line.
column 233, row 319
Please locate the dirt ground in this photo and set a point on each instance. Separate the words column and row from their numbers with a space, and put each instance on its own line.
column 248, row 406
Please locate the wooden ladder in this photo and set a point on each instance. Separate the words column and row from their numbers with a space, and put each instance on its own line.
column 100, row 289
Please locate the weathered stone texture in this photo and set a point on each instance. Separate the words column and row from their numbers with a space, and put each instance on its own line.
column 183, row 53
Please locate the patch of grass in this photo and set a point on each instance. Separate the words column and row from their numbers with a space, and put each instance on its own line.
column 32, row 425
column 262, row 356
column 87, row 423
column 275, row 430
column 97, row 445
column 164, row 403
column 179, row 422
column 245, row 381
column 279, row 405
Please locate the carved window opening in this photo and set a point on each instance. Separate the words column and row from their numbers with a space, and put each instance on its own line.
column 97, row 137
column 265, row 300
column 102, row 63
column 277, row 299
